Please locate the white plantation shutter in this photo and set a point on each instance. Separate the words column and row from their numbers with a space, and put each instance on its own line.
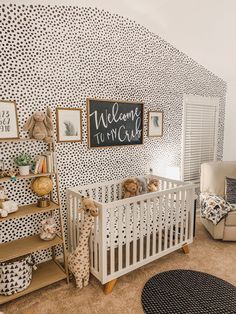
column 200, row 127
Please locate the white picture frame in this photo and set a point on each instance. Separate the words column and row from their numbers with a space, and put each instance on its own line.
column 69, row 124
column 8, row 120
column 155, row 123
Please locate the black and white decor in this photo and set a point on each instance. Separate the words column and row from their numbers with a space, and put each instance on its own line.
column 58, row 56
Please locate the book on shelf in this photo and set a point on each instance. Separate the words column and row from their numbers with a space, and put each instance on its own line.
column 45, row 163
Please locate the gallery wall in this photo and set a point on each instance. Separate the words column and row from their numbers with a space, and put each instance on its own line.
column 58, row 56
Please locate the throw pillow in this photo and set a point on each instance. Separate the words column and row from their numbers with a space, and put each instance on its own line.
column 230, row 190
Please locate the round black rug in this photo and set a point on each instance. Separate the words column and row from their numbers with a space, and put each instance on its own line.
column 188, row 292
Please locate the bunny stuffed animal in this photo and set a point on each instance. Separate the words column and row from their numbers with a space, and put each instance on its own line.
column 40, row 126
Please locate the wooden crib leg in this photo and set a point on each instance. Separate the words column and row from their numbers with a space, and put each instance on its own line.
column 109, row 286
column 185, row 248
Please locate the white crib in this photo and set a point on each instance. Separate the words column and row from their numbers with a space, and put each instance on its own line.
column 132, row 232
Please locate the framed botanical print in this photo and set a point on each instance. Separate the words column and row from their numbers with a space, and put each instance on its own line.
column 69, row 125
column 155, row 123
column 8, row 120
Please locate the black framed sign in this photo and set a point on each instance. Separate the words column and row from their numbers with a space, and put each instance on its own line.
column 114, row 123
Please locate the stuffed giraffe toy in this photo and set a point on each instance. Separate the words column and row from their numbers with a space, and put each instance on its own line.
column 78, row 261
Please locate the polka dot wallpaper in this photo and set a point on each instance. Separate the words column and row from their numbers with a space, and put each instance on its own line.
column 57, row 56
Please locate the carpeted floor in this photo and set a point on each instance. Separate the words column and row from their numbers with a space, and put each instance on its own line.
column 206, row 255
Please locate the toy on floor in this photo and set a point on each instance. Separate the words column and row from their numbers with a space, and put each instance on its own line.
column 48, row 229
column 153, row 185
column 78, row 261
column 131, row 187
column 40, row 126
column 6, row 206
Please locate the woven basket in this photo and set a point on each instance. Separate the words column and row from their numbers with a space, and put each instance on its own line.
column 16, row 275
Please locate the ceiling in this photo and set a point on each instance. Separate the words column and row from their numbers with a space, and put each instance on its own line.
column 203, row 29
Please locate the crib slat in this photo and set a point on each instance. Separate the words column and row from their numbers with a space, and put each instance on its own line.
column 96, row 243
column 112, row 228
column 75, row 212
column 78, row 223
column 166, row 225
column 127, row 240
column 148, row 229
column 120, row 191
column 141, row 229
column 70, row 222
column 182, row 214
column 108, row 193
column 177, row 218
column 103, row 194
column 120, row 223
column 160, row 224
column 171, row 220
column 155, row 218
column 97, row 194
column 135, row 227
column 188, row 204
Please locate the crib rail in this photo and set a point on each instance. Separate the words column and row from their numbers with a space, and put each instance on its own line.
column 129, row 233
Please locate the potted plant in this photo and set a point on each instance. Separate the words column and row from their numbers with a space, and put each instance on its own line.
column 23, row 161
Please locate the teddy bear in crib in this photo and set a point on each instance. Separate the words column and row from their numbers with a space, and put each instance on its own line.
column 78, row 261
column 131, row 187
column 6, row 206
column 153, row 185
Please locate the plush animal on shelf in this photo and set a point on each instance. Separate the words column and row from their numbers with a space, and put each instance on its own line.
column 48, row 229
column 153, row 185
column 78, row 261
column 131, row 187
column 40, row 126
column 6, row 207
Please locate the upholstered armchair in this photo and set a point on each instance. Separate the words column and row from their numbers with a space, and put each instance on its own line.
column 213, row 182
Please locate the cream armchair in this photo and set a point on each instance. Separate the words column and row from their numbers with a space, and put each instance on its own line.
column 213, row 181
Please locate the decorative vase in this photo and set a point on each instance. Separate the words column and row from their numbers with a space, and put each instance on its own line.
column 24, row 170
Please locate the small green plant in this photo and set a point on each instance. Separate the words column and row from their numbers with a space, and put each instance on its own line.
column 23, row 159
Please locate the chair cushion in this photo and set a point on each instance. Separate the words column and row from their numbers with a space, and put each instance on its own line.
column 213, row 176
column 230, row 190
column 231, row 219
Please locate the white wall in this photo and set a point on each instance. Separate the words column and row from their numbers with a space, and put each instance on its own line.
column 230, row 123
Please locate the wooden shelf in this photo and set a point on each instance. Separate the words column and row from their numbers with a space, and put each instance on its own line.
column 30, row 176
column 20, row 247
column 31, row 209
column 46, row 274
column 18, row 140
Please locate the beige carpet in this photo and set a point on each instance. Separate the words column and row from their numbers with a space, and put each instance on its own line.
column 214, row 257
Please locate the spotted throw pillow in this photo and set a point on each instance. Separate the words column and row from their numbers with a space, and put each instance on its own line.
column 230, row 190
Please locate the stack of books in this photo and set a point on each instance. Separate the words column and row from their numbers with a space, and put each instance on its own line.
column 45, row 163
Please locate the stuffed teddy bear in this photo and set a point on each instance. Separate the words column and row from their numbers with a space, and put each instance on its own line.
column 131, row 187
column 153, row 185
column 6, row 207
column 40, row 126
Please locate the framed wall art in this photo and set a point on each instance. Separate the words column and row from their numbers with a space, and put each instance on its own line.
column 69, row 125
column 8, row 120
column 114, row 123
column 155, row 123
